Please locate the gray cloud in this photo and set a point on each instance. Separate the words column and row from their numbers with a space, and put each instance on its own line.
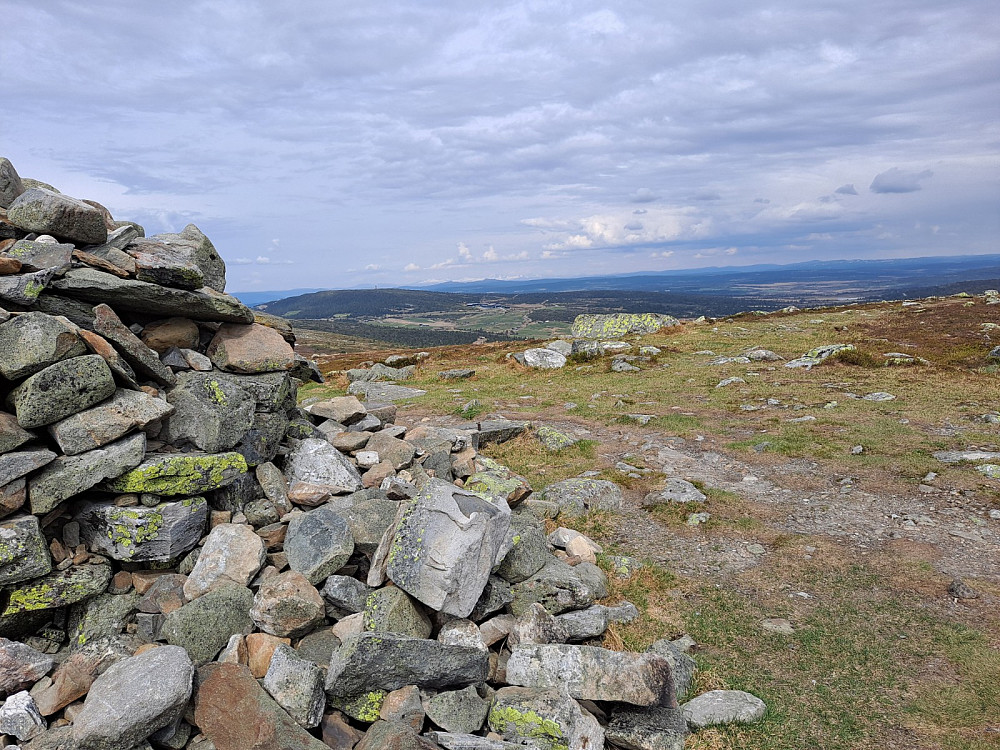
column 896, row 180
column 381, row 137
column 847, row 190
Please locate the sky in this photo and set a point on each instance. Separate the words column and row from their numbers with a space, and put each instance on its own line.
column 328, row 144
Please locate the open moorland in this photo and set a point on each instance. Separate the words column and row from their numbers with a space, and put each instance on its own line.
column 825, row 508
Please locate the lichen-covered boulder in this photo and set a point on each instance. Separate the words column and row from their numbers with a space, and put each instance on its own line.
column 181, row 474
column 24, row 553
column 141, row 533
column 544, row 359
column 619, row 324
column 723, row 707
column 57, row 589
column 546, row 718
column 204, row 626
column 314, row 464
column 445, row 544
column 61, row 389
column 45, row 212
column 24, row 289
column 297, row 685
column 33, row 341
column 212, row 413
column 193, row 243
column 41, row 256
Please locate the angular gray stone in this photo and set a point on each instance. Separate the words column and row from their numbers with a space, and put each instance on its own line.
column 200, row 251
column 140, row 533
column 461, row 711
column 591, row 673
column 287, row 605
column 125, row 411
column 12, row 437
column 390, row 610
column 42, row 211
column 445, row 544
column 346, row 593
column 592, row 622
column 24, row 553
column 723, row 707
column 21, row 666
column 271, row 391
column 232, row 552
column 250, row 349
column 143, row 359
column 316, row 463
column 386, row 661
column 262, row 441
column 212, row 413
column 397, row 452
column 578, row 495
column 41, row 256
column 619, row 324
column 297, row 686
column 19, row 463
column 158, row 263
column 151, row 299
column 547, row 718
column 674, row 491
column 10, row 183
column 379, row 371
column 174, row 474
column 559, row 587
column 553, row 440
column 318, row 544
column 61, row 389
column 682, row 666
column 24, row 289
column 544, row 359
column 124, row 706
column 204, row 626
column 67, row 476
column 102, row 617
column 19, row 717
column 342, row 409
column 33, row 341
column 650, row 728
column 529, row 550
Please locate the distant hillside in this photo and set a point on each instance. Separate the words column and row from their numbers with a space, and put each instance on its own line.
column 257, row 298
column 365, row 302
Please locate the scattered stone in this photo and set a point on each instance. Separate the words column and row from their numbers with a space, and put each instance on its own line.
column 462, row 711
column 730, row 381
column 961, row 590
column 318, row 543
column 547, row 718
column 232, row 552
column 287, row 605
column 544, row 359
column 777, row 625
column 204, row 626
column 553, row 440
column 62, row 389
column 675, row 491
column 574, row 497
column 19, row 717
column 315, row 466
column 21, row 666
column 651, row 728
column 722, row 707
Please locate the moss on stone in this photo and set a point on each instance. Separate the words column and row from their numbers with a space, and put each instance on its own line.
column 527, row 725
column 183, row 474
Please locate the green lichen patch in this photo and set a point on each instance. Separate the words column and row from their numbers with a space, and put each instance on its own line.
column 364, row 707
column 181, row 474
column 513, row 723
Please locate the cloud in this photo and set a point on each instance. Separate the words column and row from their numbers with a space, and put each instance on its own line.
column 491, row 255
column 410, row 267
column 463, row 252
column 643, row 195
column 443, row 264
column 662, row 254
column 846, row 190
column 372, row 267
column 896, row 180
column 634, row 226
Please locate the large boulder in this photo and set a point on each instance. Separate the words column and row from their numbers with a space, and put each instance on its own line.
column 576, row 496
column 548, row 719
column 619, row 324
column 446, row 542
column 125, row 411
column 212, row 413
column 544, row 359
column 124, row 706
column 24, row 553
column 318, row 543
column 315, row 465
column 232, row 552
column 200, row 251
column 141, row 533
column 45, row 212
column 181, row 474
column 250, row 349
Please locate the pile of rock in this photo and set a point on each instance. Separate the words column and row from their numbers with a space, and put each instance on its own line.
column 592, row 338
column 190, row 560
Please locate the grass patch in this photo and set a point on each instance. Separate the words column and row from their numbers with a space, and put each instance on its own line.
column 524, row 455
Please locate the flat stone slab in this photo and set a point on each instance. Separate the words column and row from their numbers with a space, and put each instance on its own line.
column 125, row 411
column 387, row 661
column 619, row 324
column 376, row 391
column 723, row 707
column 70, row 475
column 142, row 359
column 57, row 589
column 140, row 533
column 591, row 673
column 957, row 457
column 19, row 463
column 181, row 474
column 151, row 299
column 41, row 256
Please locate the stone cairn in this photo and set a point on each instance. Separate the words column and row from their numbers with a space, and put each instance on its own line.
column 190, row 560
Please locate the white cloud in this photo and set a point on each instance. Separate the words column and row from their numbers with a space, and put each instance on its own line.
column 410, row 267
column 491, row 255
column 443, row 264
column 896, row 180
column 463, row 252
column 372, row 267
